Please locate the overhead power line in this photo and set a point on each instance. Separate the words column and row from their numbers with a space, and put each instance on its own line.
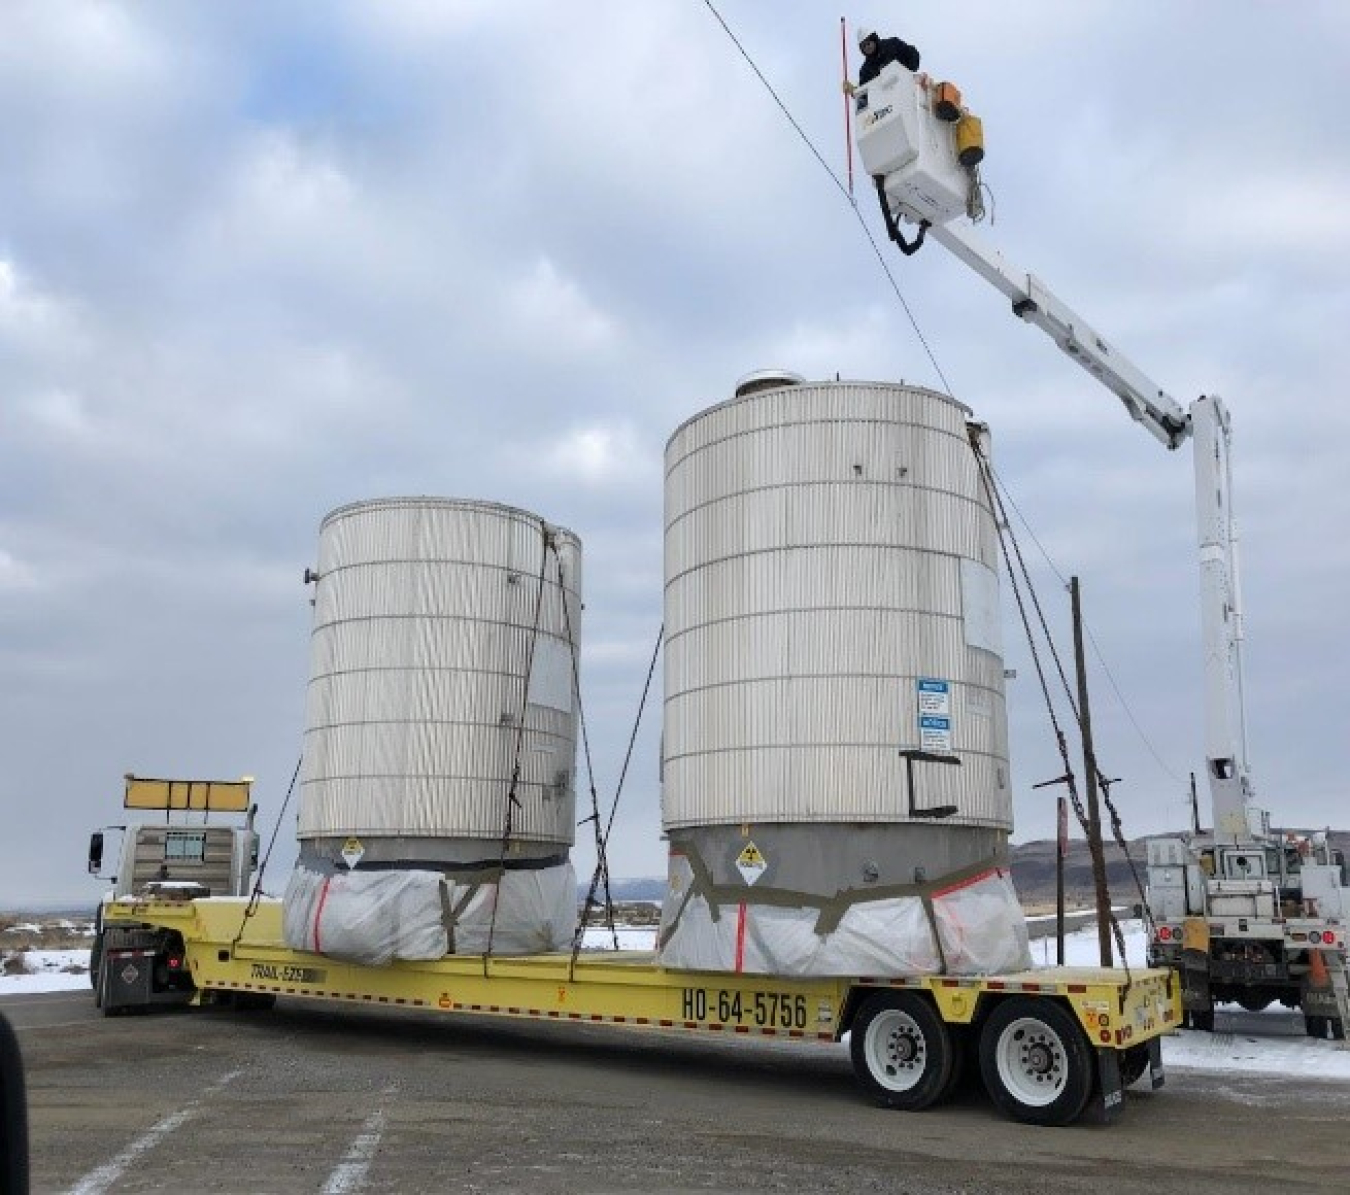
column 843, row 190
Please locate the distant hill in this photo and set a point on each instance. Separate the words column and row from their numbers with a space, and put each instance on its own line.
column 1033, row 868
column 630, row 890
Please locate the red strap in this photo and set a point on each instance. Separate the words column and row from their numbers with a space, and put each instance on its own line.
column 984, row 875
column 323, row 897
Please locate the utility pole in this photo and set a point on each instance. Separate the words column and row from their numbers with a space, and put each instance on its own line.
column 1090, row 772
column 1061, row 853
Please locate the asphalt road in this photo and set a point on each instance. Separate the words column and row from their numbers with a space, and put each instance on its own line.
column 308, row 1098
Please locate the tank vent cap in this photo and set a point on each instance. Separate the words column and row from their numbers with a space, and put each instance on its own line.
column 767, row 379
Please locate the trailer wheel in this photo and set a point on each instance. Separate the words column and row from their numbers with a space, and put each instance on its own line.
column 901, row 1050
column 1337, row 1026
column 1315, row 1026
column 964, row 1063
column 1036, row 1061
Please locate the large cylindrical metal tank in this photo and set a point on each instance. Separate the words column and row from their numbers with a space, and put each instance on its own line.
column 835, row 725
column 438, row 625
column 441, row 721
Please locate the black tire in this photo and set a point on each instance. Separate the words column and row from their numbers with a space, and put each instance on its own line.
column 254, row 1001
column 1315, row 1026
column 1203, row 1021
column 1337, row 1027
column 1255, row 1000
column 965, row 1064
column 14, row 1174
column 101, row 994
column 96, row 952
column 902, row 1053
column 1133, row 1063
column 1037, row 1064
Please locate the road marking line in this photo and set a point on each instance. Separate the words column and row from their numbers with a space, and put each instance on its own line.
column 64, row 996
column 350, row 1174
column 54, row 1025
column 98, row 1181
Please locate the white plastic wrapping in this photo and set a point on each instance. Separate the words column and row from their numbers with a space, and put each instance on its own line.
column 981, row 924
column 375, row 917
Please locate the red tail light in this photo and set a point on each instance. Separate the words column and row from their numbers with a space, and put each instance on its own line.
column 1164, row 933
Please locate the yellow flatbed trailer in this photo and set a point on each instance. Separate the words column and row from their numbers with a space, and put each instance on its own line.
column 1049, row 1044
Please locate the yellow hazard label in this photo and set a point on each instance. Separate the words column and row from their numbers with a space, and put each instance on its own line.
column 751, row 856
column 352, row 851
column 751, row 863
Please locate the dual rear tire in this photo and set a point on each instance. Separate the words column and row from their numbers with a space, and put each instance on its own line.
column 902, row 1051
column 1034, row 1058
column 1036, row 1062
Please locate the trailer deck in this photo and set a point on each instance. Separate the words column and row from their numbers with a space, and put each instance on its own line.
column 1072, row 1033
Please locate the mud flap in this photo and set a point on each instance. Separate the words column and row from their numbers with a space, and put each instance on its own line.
column 1325, row 991
column 1109, row 1096
column 1156, row 1075
column 127, row 977
column 1195, row 994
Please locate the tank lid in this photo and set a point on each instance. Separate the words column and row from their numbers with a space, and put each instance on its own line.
column 767, row 379
column 467, row 505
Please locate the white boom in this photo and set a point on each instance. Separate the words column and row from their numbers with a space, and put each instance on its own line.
column 912, row 154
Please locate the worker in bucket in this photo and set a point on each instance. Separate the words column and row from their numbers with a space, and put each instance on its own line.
column 879, row 52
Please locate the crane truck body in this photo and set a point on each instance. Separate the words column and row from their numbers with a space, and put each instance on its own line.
column 1242, row 913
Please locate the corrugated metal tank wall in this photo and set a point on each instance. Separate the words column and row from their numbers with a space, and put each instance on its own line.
column 827, row 547
column 423, row 651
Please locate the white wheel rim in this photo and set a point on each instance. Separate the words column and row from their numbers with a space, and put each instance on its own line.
column 1033, row 1064
column 896, row 1051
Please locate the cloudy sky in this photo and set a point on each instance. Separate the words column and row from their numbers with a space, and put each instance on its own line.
column 259, row 260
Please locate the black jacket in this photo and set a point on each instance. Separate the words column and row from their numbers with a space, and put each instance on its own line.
column 889, row 49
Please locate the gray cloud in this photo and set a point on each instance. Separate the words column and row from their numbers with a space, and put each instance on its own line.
column 254, row 264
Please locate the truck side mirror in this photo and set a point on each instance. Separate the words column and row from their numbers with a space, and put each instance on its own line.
column 95, row 852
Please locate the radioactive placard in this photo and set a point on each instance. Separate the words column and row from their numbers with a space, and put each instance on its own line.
column 751, row 863
column 352, row 850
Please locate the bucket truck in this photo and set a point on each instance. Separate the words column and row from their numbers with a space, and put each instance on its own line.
column 1243, row 913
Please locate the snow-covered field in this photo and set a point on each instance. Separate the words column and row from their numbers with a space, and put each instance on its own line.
column 49, row 971
column 1269, row 1043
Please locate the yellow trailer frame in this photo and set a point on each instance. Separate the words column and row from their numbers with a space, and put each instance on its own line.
column 1049, row 1042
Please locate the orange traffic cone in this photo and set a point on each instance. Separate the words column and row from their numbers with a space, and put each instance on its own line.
column 1317, row 970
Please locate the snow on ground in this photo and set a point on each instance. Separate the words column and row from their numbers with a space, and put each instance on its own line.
column 597, row 937
column 1268, row 1043
column 49, row 971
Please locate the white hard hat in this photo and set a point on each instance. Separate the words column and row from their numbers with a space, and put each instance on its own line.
column 865, row 33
